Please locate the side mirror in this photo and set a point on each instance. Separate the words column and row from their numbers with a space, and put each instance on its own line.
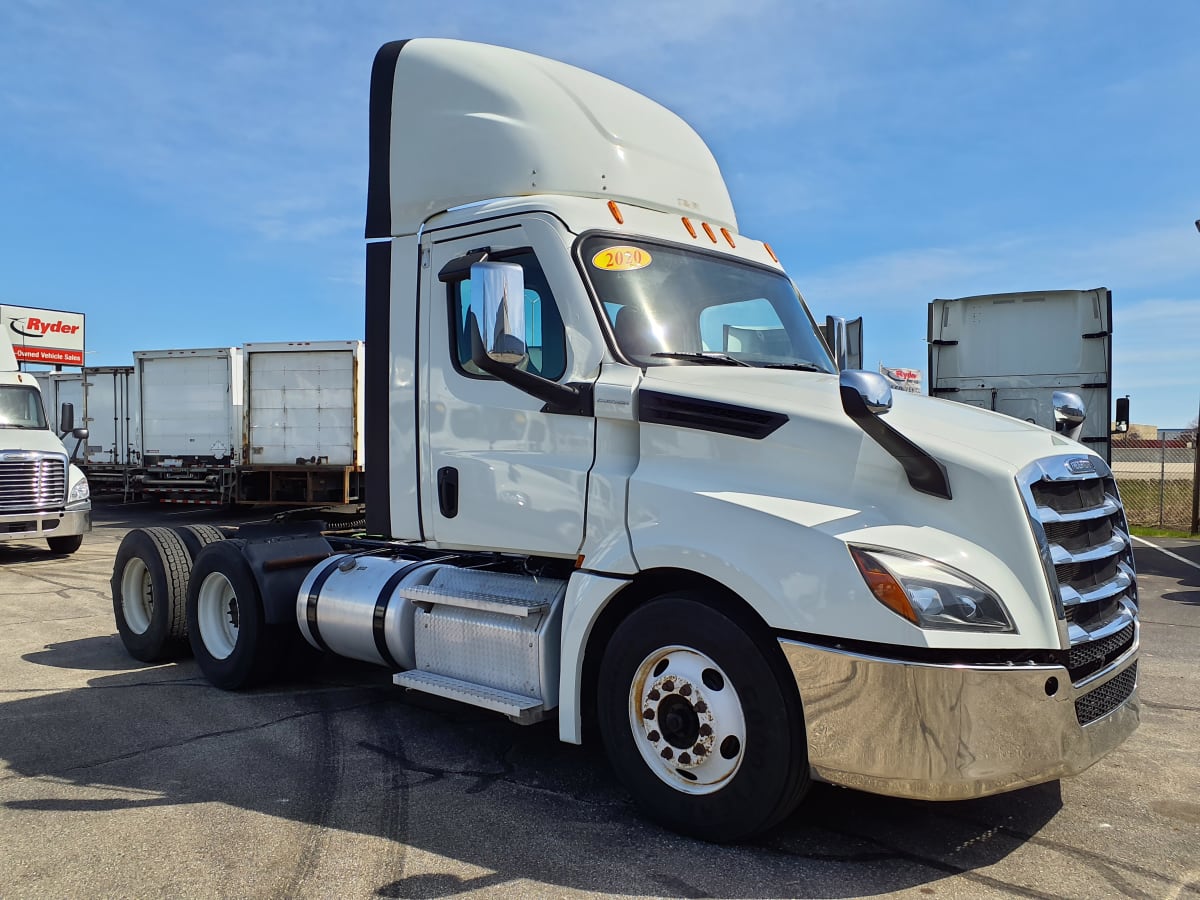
column 79, row 433
column 498, row 302
column 66, row 418
column 1122, row 423
column 871, row 387
column 835, row 336
column 1069, row 413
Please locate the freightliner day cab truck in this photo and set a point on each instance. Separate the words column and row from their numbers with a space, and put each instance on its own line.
column 617, row 477
column 42, row 494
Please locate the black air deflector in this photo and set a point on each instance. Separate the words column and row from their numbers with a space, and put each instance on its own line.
column 655, row 408
column 379, row 153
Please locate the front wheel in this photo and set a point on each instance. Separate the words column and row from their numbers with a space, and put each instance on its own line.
column 226, row 625
column 65, row 545
column 701, row 721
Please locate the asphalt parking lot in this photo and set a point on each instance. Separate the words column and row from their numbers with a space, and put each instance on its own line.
column 121, row 779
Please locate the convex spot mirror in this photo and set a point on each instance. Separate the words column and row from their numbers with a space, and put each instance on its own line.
column 498, row 304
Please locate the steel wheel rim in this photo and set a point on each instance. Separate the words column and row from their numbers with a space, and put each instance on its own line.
column 137, row 596
column 218, row 615
column 687, row 720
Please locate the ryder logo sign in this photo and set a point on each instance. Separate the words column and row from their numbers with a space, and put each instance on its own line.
column 43, row 335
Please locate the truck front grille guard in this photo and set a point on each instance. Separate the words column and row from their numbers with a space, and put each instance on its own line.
column 1079, row 523
column 32, row 481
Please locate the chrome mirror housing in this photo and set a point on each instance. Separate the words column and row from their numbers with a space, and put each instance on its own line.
column 1069, row 413
column 872, row 387
column 498, row 303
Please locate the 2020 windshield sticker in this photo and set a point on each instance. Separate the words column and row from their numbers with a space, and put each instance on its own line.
column 621, row 259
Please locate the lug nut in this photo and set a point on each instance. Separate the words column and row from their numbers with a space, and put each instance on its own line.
column 699, row 750
column 647, row 714
column 684, row 759
column 654, row 736
column 701, row 707
column 654, row 694
column 668, row 686
column 705, row 729
column 667, row 753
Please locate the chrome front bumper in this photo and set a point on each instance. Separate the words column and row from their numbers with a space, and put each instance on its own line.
column 56, row 523
column 942, row 732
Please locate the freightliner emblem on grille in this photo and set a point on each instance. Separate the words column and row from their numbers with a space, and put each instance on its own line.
column 1081, row 465
column 18, row 456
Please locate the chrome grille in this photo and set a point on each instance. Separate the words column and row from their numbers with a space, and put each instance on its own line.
column 31, row 481
column 1079, row 523
column 1104, row 699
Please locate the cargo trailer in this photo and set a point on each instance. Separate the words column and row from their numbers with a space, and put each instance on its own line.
column 111, row 415
column 302, row 439
column 190, row 404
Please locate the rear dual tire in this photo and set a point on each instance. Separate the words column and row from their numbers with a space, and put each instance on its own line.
column 231, row 640
column 149, row 588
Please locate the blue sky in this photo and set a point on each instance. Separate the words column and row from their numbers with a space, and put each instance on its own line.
column 194, row 174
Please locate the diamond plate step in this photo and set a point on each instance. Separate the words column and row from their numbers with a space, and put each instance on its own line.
column 521, row 709
column 497, row 603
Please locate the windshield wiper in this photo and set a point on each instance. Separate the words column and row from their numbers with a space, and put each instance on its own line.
column 709, row 357
column 804, row 366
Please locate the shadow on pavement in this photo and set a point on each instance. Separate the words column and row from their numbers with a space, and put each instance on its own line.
column 346, row 751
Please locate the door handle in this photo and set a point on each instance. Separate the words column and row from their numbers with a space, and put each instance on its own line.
column 447, row 483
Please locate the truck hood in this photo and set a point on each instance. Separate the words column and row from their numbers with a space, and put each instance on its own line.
column 818, row 482
column 30, row 439
column 951, row 432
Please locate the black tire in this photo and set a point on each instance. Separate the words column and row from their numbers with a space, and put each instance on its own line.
column 65, row 545
column 230, row 638
column 149, row 591
column 197, row 537
column 739, row 777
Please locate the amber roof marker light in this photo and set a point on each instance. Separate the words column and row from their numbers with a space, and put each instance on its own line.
column 616, row 212
column 687, row 223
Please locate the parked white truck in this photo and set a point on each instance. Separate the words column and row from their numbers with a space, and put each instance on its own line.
column 1013, row 352
column 42, row 494
column 616, row 476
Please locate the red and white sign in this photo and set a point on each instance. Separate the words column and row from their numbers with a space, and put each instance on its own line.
column 43, row 335
column 903, row 379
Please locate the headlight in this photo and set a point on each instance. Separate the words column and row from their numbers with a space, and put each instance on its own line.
column 81, row 491
column 930, row 594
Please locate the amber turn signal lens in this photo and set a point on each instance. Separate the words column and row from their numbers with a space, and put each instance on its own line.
column 616, row 212
column 883, row 585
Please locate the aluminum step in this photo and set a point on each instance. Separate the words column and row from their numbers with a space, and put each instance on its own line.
column 510, row 595
column 497, row 603
column 521, row 709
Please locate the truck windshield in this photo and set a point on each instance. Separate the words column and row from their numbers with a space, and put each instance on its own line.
column 670, row 306
column 21, row 407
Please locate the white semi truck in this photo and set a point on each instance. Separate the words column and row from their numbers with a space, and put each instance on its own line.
column 42, row 494
column 616, row 477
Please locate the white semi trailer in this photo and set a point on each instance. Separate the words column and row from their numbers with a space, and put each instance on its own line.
column 616, row 477
column 302, row 432
column 42, row 493
column 190, row 410
column 1013, row 352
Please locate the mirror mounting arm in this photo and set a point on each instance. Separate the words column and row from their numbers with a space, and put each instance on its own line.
column 570, row 399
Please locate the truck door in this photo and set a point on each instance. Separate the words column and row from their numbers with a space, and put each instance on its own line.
column 497, row 472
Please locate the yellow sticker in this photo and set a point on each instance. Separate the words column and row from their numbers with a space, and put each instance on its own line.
column 621, row 259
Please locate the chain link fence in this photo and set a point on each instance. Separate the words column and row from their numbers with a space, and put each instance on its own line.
column 1157, row 479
